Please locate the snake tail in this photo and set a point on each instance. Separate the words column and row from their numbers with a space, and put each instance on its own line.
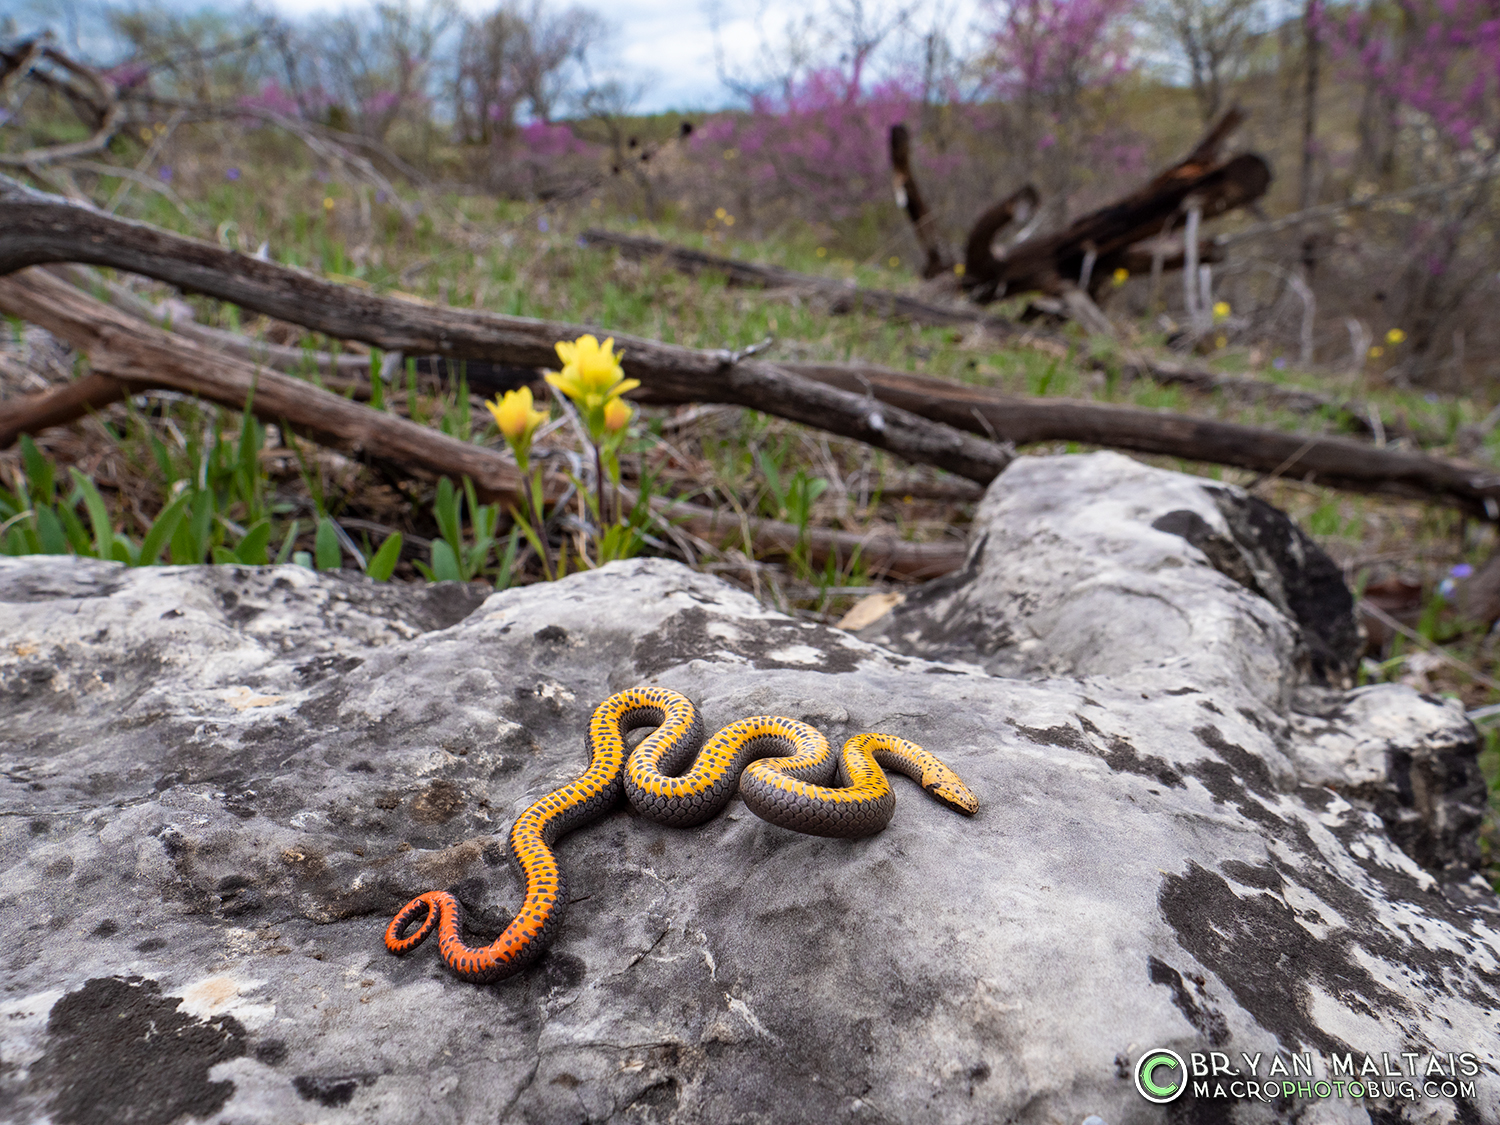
column 864, row 801
column 584, row 799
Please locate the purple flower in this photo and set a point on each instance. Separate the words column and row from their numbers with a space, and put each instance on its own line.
column 1279, row 363
column 1462, row 570
column 231, row 173
column 165, row 172
column 380, row 196
column 542, row 225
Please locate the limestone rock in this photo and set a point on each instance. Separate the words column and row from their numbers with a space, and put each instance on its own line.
column 221, row 782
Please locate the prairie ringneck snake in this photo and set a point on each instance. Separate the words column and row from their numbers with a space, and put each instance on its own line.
column 782, row 767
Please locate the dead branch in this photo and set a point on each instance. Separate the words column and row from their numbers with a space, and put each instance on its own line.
column 1333, row 461
column 104, row 103
column 36, row 228
column 1101, row 240
column 979, row 247
column 1317, row 214
column 134, row 354
column 909, row 198
column 842, row 298
column 128, row 356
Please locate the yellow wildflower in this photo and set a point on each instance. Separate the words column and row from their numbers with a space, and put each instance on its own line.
column 1395, row 336
column 514, row 415
column 617, row 414
column 591, row 372
column 1122, row 275
column 959, row 269
column 592, row 378
column 1376, row 352
column 328, row 203
column 822, row 251
column 1221, row 309
column 720, row 213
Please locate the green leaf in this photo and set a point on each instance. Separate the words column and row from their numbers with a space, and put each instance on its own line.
column 73, row 529
column 444, row 563
column 383, row 564
column 303, row 559
column 377, row 385
column 508, row 559
column 121, row 550
column 252, row 549
column 162, row 529
column 289, row 542
column 223, row 556
column 445, row 509
column 326, row 550
column 104, row 532
column 39, row 472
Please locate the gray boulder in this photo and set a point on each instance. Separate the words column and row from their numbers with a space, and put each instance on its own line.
column 220, row 782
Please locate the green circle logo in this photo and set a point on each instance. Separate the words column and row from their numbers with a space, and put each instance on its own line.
column 1161, row 1075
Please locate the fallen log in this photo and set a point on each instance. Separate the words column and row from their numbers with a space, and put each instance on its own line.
column 675, row 374
column 128, row 356
column 37, row 228
column 1135, row 365
column 1334, row 461
column 1088, row 250
column 842, row 297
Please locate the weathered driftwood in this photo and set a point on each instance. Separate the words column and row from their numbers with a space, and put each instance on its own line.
column 1088, row 250
column 35, row 228
column 128, row 355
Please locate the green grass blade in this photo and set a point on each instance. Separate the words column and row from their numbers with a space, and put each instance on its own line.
column 289, row 542
column 253, row 549
column 327, row 553
column 162, row 529
column 383, row 564
column 104, row 532
column 40, row 475
column 444, row 563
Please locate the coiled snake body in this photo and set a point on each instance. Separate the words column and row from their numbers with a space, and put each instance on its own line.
column 782, row 767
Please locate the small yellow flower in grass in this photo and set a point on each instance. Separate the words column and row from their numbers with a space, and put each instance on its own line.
column 1395, row 336
column 822, row 251
column 1376, row 352
column 617, row 415
column 591, row 377
column 328, row 203
column 959, row 269
column 1122, row 275
column 893, row 261
column 729, row 220
column 145, row 133
column 1221, row 309
column 514, row 415
column 1221, row 342
column 719, row 213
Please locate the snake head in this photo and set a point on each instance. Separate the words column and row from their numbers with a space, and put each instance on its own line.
column 948, row 788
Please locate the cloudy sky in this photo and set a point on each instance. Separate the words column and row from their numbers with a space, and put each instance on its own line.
column 667, row 46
